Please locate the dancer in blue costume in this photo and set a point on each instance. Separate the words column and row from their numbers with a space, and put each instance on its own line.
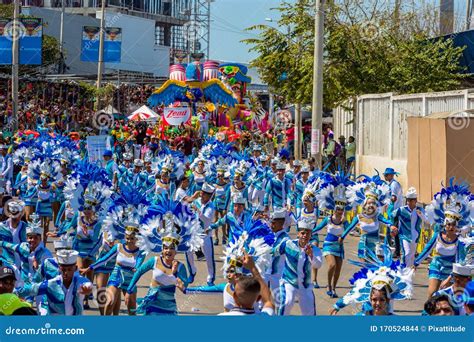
column 253, row 238
column 278, row 190
column 121, row 224
column 373, row 195
column 407, row 225
column 88, row 190
column 64, row 293
column 377, row 271
column 169, row 227
column 301, row 258
column 221, row 202
column 274, row 274
column 449, row 211
column 31, row 253
column 333, row 196
column 13, row 230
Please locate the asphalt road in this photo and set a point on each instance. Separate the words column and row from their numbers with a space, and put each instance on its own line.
column 211, row 304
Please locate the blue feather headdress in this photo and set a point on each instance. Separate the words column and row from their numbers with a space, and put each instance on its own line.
column 127, row 211
column 255, row 238
column 375, row 273
column 44, row 168
column 170, row 222
column 451, row 204
column 333, row 192
column 88, row 187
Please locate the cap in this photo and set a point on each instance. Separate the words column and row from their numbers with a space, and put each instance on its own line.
column 463, row 270
column 10, row 302
column 127, row 156
column 275, row 161
column 279, row 214
column 305, row 169
column 207, row 188
column 305, row 225
column 67, row 257
column 239, row 200
column 281, row 166
column 297, row 163
column 138, row 162
column 34, row 226
column 62, row 244
column 411, row 193
column 6, row 272
column 107, row 153
column 14, row 208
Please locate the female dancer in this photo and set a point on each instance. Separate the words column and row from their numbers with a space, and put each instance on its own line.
column 449, row 211
column 44, row 209
column 128, row 259
column 88, row 191
column 169, row 227
column 333, row 196
column 379, row 282
column 373, row 197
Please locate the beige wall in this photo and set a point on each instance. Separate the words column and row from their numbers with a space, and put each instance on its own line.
column 367, row 164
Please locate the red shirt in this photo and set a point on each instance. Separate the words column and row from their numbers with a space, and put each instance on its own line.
column 290, row 134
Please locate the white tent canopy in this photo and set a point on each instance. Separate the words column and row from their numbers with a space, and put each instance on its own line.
column 110, row 110
column 142, row 114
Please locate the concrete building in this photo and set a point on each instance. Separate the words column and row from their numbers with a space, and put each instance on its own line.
column 152, row 31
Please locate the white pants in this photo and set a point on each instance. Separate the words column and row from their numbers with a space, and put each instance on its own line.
column 190, row 262
column 257, row 197
column 288, row 294
column 208, row 250
column 408, row 250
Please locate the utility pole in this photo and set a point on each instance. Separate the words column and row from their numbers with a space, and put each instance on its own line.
column 468, row 14
column 61, row 40
column 100, row 67
column 317, row 105
column 15, row 43
column 297, row 148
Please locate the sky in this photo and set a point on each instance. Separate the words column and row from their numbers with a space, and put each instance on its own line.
column 229, row 18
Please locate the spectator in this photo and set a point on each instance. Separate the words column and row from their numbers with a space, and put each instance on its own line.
column 290, row 139
column 350, row 154
column 439, row 305
column 7, row 280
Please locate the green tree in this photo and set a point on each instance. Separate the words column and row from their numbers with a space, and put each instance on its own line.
column 369, row 47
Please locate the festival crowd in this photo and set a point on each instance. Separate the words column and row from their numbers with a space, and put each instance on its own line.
column 75, row 231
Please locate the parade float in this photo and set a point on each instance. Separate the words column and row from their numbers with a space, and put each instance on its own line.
column 207, row 93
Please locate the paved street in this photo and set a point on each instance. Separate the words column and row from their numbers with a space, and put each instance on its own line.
column 199, row 304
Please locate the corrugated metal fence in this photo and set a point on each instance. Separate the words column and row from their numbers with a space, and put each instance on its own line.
column 379, row 121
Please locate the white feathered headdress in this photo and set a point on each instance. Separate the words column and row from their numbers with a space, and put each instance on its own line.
column 169, row 222
column 254, row 238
